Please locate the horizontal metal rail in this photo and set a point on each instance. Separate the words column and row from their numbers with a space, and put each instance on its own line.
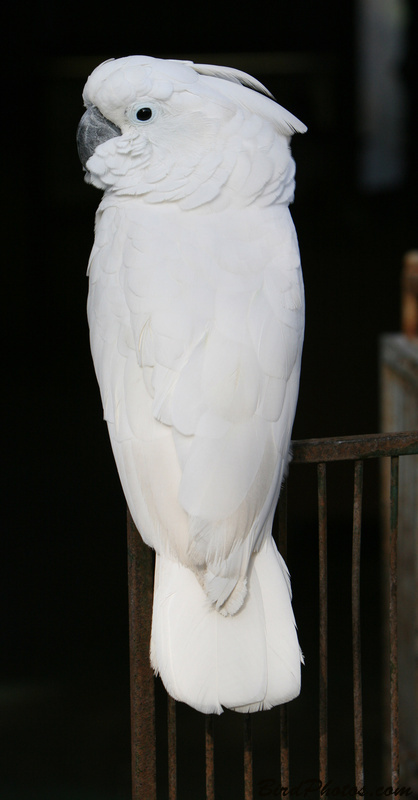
column 351, row 448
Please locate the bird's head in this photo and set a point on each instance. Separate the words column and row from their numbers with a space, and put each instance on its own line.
column 174, row 130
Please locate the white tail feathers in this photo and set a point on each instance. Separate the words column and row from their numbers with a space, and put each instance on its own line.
column 247, row 661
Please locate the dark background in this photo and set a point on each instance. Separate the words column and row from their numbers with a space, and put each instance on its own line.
column 64, row 682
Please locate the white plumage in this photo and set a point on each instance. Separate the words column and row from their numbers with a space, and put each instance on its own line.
column 196, row 316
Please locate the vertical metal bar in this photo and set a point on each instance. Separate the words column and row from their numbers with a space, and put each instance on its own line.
column 284, row 710
column 248, row 758
column 140, row 589
column 172, row 748
column 355, row 617
column 209, row 757
column 393, row 622
column 323, row 625
column 284, row 745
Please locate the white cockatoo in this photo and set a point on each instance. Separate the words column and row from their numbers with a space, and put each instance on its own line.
column 196, row 315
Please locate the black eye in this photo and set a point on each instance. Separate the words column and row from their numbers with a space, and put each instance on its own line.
column 143, row 114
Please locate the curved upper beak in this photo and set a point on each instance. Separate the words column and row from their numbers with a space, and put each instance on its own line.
column 93, row 129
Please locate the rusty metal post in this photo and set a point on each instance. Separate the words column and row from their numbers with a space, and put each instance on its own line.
column 172, row 748
column 248, row 758
column 323, row 625
column 410, row 294
column 355, row 615
column 140, row 588
column 284, row 745
column 393, row 622
column 209, row 757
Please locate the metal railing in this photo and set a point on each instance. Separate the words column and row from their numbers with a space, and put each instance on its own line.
column 320, row 452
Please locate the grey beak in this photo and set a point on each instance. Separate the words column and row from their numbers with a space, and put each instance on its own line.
column 93, row 129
